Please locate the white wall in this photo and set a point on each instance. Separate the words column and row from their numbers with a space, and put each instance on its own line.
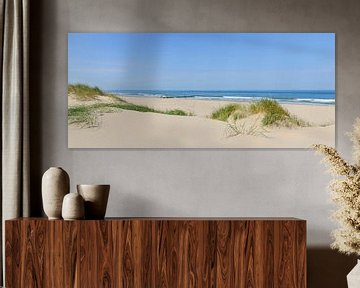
column 176, row 182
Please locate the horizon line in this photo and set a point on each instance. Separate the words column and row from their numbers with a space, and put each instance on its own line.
column 277, row 90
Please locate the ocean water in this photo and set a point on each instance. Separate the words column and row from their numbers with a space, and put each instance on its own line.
column 325, row 97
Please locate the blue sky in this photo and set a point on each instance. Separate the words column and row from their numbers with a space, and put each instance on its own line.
column 203, row 61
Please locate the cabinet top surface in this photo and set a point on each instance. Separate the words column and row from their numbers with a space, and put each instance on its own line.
column 174, row 219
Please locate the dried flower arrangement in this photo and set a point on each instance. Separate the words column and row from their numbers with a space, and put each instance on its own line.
column 345, row 191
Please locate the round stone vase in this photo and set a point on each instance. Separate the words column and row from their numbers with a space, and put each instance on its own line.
column 73, row 207
column 55, row 185
column 96, row 198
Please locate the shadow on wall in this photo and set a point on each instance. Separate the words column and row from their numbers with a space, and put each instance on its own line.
column 37, row 11
column 328, row 268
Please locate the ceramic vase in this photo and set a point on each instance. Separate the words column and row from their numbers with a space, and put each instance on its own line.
column 55, row 185
column 73, row 207
column 96, row 198
column 353, row 278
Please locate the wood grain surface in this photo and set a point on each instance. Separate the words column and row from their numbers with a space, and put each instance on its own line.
column 159, row 252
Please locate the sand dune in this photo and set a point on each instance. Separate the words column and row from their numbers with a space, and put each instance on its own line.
column 131, row 129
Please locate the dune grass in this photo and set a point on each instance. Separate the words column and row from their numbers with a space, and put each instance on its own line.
column 82, row 116
column 177, row 112
column 85, row 92
column 274, row 113
column 87, row 115
column 246, row 128
column 225, row 112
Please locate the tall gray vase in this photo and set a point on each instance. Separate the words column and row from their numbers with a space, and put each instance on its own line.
column 55, row 185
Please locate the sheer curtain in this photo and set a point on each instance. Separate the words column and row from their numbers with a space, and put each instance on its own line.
column 14, row 27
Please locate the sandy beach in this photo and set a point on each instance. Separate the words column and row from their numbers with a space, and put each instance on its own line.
column 132, row 129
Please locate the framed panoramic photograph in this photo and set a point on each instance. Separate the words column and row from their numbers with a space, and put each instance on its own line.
column 201, row 90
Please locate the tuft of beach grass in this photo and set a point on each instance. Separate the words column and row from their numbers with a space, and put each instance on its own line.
column 247, row 127
column 274, row 113
column 82, row 116
column 87, row 115
column 85, row 92
column 225, row 112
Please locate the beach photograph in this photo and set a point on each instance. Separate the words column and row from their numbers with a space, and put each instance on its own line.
column 201, row 90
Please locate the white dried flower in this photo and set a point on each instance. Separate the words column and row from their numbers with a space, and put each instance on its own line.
column 345, row 191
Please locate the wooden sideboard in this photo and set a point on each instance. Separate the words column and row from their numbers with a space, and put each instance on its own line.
column 156, row 252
